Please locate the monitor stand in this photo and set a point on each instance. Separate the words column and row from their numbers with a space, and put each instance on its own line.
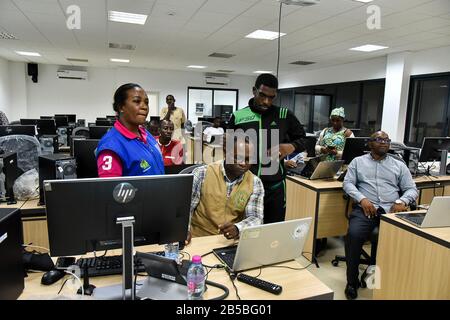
column 126, row 290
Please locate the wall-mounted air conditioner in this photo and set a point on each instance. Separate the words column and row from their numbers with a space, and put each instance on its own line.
column 72, row 74
column 224, row 81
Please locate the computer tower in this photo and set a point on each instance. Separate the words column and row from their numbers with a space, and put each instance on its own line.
column 8, row 167
column 11, row 264
column 62, row 136
column 49, row 144
column 54, row 167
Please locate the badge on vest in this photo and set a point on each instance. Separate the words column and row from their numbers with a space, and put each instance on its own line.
column 145, row 166
column 239, row 201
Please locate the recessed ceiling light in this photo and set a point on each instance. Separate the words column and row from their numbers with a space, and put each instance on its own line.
column 364, row 1
column 30, row 54
column 368, row 48
column 262, row 71
column 196, row 67
column 264, row 34
column 127, row 17
column 119, row 60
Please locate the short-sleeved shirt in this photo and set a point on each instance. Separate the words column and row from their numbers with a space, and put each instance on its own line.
column 123, row 153
column 172, row 152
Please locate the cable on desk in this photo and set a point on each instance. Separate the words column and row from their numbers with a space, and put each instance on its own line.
column 290, row 267
column 232, row 277
column 208, row 253
column 220, row 286
column 187, row 253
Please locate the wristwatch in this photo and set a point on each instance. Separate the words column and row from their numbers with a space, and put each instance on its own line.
column 398, row 201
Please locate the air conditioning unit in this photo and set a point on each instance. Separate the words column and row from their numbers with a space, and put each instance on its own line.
column 224, row 81
column 72, row 74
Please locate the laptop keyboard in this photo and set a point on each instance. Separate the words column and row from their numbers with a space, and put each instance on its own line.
column 416, row 218
column 226, row 255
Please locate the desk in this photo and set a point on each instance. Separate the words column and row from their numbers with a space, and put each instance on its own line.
column 414, row 263
column 34, row 222
column 323, row 201
column 297, row 284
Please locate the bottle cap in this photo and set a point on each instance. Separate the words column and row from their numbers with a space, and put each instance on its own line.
column 196, row 259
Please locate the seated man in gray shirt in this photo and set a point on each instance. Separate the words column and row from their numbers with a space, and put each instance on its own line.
column 378, row 183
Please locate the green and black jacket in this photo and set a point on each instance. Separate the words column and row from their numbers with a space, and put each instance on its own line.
column 290, row 131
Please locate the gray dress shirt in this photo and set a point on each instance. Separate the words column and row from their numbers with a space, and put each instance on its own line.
column 380, row 181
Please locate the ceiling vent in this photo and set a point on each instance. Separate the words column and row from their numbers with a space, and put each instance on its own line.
column 77, row 60
column 302, row 63
column 221, row 55
column 7, row 36
column 224, row 71
column 303, row 3
column 217, row 79
column 122, row 46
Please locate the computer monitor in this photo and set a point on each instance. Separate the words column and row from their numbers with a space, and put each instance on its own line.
column 97, row 132
column 61, row 121
column 207, row 119
column 105, row 123
column 82, row 213
column 224, row 112
column 72, row 118
column 431, row 148
column 355, row 147
column 29, row 130
column 84, row 154
column 44, row 126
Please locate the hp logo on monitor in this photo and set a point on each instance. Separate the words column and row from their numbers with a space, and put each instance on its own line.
column 124, row 192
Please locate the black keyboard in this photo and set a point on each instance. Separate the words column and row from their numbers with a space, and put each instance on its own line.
column 108, row 265
column 226, row 255
column 416, row 218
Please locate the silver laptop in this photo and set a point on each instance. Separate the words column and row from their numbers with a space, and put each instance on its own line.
column 326, row 169
column 266, row 244
column 437, row 215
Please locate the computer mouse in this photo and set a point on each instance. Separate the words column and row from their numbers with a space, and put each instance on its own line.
column 50, row 277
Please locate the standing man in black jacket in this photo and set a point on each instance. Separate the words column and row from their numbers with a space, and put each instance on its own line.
column 278, row 133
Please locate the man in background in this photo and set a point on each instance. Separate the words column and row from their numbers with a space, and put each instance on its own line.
column 174, row 114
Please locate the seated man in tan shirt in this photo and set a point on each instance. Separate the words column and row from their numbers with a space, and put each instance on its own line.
column 226, row 196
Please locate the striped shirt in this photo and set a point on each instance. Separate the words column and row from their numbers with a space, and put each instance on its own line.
column 254, row 211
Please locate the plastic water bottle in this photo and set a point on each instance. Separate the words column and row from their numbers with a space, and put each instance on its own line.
column 171, row 250
column 196, row 279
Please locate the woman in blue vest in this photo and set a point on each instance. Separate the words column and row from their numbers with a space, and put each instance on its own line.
column 128, row 149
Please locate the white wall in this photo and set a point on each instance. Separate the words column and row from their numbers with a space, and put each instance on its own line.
column 5, row 95
column 18, row 90
column 362, row 70
column 430, row 61
column 93, row 98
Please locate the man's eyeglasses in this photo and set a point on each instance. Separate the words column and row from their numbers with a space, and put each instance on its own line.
column 380, row 140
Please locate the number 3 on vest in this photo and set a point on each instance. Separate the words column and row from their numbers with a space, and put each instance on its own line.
column 107, row 163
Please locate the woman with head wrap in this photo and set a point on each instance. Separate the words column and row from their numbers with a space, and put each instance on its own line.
column 332, row 140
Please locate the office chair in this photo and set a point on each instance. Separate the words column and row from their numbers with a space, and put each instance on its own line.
column 28, row 150
column 190, row 169
column 81, row 131
column 366, row 259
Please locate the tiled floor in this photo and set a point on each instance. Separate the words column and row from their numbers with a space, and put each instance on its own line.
column 334, row 277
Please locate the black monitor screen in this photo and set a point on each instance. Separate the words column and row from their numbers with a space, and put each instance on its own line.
column 355, row 147
column 105, row 123
column 431, row 148
column 97, row 132
column 29, row 130
column 44, row 126
column 61, row 121
column 72, row 118
column 82, row 213
column 84, row 154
